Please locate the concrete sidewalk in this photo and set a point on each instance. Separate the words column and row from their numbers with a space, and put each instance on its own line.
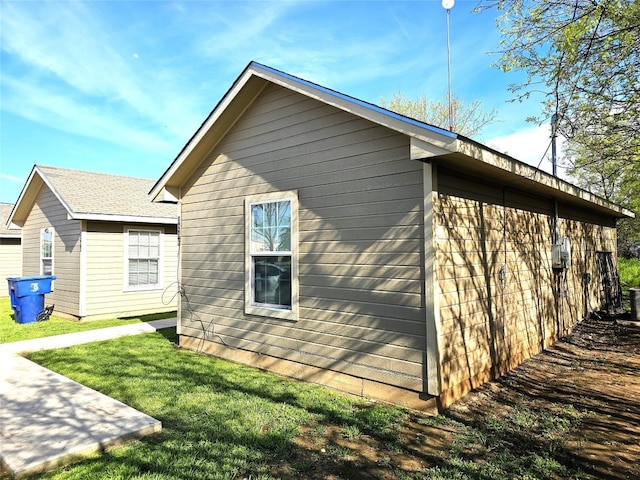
column 48, row 420
column 78, row 338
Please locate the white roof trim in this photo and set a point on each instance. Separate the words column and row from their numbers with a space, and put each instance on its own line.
column 423, row 131
column 256, row 67
column 122, row 218
column 427, row 141
column 48, row 183
column 159, row 191
column 35, row 170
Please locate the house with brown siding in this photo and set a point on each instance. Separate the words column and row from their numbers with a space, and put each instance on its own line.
column 10, row 252
column 113, row 252
column 333, row 241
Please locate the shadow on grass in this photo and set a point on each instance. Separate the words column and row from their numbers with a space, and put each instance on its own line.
column 152, row 316
column 220, row 420
column 223, row 420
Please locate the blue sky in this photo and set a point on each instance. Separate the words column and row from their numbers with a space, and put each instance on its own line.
column 120, row 86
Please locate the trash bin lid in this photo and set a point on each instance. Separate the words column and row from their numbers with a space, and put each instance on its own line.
column 31, row 278
column 33, row 285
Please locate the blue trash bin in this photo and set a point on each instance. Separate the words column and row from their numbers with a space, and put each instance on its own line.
column 27, row 296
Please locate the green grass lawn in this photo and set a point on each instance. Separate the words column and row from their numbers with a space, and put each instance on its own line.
column 220, row 420
column 10, row 331
column 227, row 421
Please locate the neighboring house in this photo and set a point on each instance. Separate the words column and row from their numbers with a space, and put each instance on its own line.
column 330, row 240
column 113, row 252
column 10, row 252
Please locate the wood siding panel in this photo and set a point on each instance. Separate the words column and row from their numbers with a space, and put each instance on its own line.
column 360, row 240
column 497, row 288
column 48, row 212
column 106, row 295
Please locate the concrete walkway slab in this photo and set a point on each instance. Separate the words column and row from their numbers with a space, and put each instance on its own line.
column 48, row 420
column 78, row 338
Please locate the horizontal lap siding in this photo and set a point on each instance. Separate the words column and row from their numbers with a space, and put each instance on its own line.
column 489, row 324
column 106, row 295
column 360, row 238
column 10, row 261
column 48, row 212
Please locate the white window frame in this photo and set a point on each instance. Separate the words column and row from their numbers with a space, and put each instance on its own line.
column 125, row 279
column 266, row 310
column 42, row 257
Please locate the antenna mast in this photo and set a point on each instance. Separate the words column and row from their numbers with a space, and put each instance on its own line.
column 448, row 5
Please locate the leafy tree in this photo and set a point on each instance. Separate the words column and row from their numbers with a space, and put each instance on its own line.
column 584, row 56
column 470, row 118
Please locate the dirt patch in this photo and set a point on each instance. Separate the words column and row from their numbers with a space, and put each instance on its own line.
column 572, row 411
column 593, row 372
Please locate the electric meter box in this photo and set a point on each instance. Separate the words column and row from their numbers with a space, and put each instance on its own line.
column 561, row 254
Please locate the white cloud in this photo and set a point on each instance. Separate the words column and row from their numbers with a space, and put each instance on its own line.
column 71, row 115
column 11, row 178
column 532, row 146
column 66, row 40
column 72, row 70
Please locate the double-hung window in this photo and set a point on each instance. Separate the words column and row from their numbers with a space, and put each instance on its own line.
column 143, row 259
column 271, row 262
column 46, row 251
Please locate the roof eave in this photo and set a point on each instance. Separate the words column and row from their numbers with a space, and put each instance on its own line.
column 513, row 172
column 123, row 218
column 427, row 142
column 242, row 93
column 28, row 196
column 436, row 135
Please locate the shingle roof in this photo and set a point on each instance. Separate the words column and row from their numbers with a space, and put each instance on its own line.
column 87, row 193
column 5, row 211
column 94, row 196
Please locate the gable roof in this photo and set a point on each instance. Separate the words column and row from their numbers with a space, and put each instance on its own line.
column 5, row 232
column 94, row 196
column 428, row 143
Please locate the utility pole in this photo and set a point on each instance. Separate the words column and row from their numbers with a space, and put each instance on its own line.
column 554, row 135
column 448, row 5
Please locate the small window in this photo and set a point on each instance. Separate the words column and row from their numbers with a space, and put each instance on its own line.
column 46, row 251
column 143, row 258
column 271, row 259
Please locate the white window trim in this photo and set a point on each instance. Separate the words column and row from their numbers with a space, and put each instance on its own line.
column 249, row 307
column 53, row 250
column 125, row 277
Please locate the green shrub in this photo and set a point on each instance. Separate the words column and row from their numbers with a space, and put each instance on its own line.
column 629, row 271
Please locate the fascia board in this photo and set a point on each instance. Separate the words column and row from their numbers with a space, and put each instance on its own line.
column 414, row 128
column 123, row 218
column 427, row 133
column 421, row 150
column 426, row 141
column 523, row 173
column 28, row 196
column 55, row 192
column 159, row 191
